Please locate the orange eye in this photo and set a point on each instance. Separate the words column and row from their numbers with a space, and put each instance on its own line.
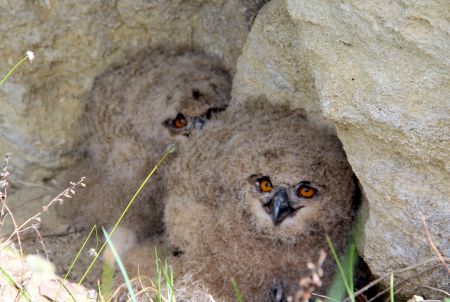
column 306, row 191
column 264, row 184
column 180, row 121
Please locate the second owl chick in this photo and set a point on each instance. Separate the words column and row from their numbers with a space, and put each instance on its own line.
column 135, row 110
column 252, row 198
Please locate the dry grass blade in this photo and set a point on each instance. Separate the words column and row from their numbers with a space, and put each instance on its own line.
column 433, row 246
column 3, row 197
column 67, row 193
column 403, row 270
column 403, row 281
column 432, row 288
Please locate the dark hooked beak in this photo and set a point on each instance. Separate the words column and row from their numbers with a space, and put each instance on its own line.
column 198, row 122
column 280, row 206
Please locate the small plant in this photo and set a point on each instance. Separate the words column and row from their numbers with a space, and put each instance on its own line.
column 29, row 56
column 121, row 267
column 345, row 275
column 237, row 291
column 170, row 149
column 167, row 273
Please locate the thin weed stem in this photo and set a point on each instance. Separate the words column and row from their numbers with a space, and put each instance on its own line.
column 11, row 281
column 345, row 279
column 121, row 267
column 169, row 150
column 391, row 285
column 29, row 56
column 433, row 246
column 76, row 258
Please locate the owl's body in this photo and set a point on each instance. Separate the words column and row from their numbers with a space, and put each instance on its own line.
column 252, row 198
column 134, row 112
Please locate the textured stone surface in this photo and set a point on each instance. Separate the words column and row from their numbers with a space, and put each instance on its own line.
column 39, row 276
column 76, row 41
column 382, row 71
column 271, row 63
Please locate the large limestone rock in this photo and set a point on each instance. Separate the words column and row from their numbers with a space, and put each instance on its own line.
column 380, row 71
column 76, row 41
column 271, row 64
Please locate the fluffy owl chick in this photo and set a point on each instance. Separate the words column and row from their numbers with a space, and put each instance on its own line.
column 252, row 198
column 134, row 111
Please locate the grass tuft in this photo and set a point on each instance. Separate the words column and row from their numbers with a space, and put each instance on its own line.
column 15, row 284
column 169, row 150
column 237, row 291
column 121, row 266
column 345, row 268
column 167, row 273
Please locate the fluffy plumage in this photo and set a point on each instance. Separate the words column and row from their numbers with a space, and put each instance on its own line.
column 135, row 110
column 219, row 217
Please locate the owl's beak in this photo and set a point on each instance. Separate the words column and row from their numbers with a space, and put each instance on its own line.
column 198, row 122
column 280, row 206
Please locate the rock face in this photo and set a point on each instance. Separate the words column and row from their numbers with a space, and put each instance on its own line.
column 271, row 64
column 74, row 43
column 377, row 70
column 380, row 72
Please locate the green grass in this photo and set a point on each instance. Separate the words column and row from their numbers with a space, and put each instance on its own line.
column 237, row 291
column 29, row 56
column 391, row 287
column 94, row 228
column 108, row 272
column 11, row 281
column 67, row 290
column 169, row 150
column 121, row 267
column 165, row 273
column 344, row 280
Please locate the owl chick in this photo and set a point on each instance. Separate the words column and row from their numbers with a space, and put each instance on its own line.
column 253, row 197
column 134, row 111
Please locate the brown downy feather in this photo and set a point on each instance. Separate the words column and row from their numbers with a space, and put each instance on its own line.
column 214, row 216
column 129, row 120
